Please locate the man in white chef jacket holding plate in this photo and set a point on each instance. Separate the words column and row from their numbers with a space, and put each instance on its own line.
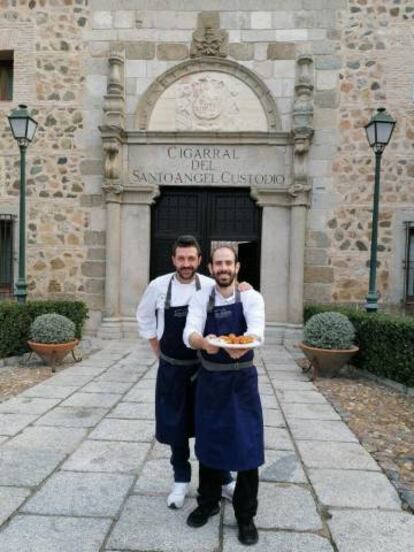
column 228, row 413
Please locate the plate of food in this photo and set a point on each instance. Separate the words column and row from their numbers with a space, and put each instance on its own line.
column 233, row 341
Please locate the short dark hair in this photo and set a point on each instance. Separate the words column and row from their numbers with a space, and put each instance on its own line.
column 186, row 241
column 229, row 247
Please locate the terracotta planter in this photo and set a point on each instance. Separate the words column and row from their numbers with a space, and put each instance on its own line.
column 53, row 353
column 327, row 362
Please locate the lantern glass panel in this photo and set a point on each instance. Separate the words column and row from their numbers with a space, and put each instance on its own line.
column 18, row 127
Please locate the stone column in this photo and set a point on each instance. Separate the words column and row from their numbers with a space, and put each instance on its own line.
column 113, row 250
column 297, row 258
column 274, row 266
column 135, row 251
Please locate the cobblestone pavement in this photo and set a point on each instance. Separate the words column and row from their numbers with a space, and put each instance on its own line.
column 80, row 470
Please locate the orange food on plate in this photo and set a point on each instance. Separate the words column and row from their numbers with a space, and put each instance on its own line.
column 232, row 339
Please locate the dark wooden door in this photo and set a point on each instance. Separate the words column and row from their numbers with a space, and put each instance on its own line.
column 211, row 215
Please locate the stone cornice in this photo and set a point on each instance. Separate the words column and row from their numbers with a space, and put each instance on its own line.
column 293, row 196
column 205, row 137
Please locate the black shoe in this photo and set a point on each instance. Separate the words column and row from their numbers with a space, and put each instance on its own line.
column 248, row 533
column 199, row 516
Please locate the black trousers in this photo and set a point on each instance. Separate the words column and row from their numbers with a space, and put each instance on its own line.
column 245, row 493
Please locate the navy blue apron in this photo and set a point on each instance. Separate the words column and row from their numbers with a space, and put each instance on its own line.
column 228, row 413
column 175, row 388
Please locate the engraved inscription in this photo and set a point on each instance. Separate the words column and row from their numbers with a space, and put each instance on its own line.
column 209, row 165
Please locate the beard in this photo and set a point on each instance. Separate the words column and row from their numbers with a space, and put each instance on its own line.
column 186, row 273
column 224, row 278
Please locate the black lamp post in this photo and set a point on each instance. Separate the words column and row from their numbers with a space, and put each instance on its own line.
column 23, row 127
column 379, row 131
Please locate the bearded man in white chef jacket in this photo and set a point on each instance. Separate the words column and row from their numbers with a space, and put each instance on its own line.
column 161, row 317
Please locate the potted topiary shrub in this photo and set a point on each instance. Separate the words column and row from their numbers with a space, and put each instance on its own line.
column 52, row 337
column 328, row 342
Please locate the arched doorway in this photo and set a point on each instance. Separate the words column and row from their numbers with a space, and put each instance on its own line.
column 212, row 215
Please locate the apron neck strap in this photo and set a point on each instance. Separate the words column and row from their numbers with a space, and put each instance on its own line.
column 212, row 298
column 167, row 303
column 238, row 296
column 197, row 282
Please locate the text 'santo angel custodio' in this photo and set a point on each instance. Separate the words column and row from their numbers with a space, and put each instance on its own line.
column 199, row 168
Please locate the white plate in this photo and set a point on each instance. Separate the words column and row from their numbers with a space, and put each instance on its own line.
column 217, row 342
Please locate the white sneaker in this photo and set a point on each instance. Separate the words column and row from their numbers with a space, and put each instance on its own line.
column 227, row 491
column 177, row 495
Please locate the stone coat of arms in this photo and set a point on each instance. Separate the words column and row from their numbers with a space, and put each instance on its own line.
column 206, row 103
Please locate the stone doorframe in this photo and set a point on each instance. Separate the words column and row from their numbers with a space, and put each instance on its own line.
column 128, row 205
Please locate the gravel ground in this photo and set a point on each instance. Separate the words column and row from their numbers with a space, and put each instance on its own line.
column 383, row 420
column 26, row 373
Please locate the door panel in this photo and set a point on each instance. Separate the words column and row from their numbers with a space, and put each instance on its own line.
column 228, row 215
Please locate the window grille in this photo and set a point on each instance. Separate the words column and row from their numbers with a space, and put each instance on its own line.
column 6, row 255
column 409, row 262
column 6, row 75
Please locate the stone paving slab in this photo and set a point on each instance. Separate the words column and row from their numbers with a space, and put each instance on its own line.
column 269, row 401
column 321, row 430
column 124, row 430
column 57, row 438
column 305, row 397
column 107, row 387
column 139, row 529
column 294, row 385
column 49, row 391
column 346, row 456
column 280, row 541
column 11, row 424
column 140, row 395
column 69, row 416
column 92, row 400
column 282, row 466
column 80, row 494
column 354, row 489
column 27, row 467
column 120, row 375
column 107, row 456
column 372, row 531
column 10, row 499
column 273, row 418
column 64, row 380
column 310, row 411
column 277, row 438
column 156, row 477
column 135, row 411
column 53, row 534
column 282, row 507
column 288, row 375
column 27, row 405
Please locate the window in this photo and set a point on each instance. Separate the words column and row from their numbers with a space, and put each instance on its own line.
column 6, row 255
column 409, row 263
column 6, row 75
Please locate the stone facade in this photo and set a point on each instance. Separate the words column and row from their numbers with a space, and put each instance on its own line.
column 327, row 64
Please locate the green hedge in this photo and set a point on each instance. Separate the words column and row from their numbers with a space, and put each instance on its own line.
column 386, row 341
column 15, row 320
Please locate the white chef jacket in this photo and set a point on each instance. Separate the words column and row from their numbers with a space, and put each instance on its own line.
column 150, row 311
column 253, row 309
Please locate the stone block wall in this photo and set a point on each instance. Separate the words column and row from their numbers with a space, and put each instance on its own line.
column 65, row 232
column 377, row 69
column 362, row 58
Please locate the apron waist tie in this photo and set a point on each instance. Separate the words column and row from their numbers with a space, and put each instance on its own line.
column 178, row 362
column 222, row 367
